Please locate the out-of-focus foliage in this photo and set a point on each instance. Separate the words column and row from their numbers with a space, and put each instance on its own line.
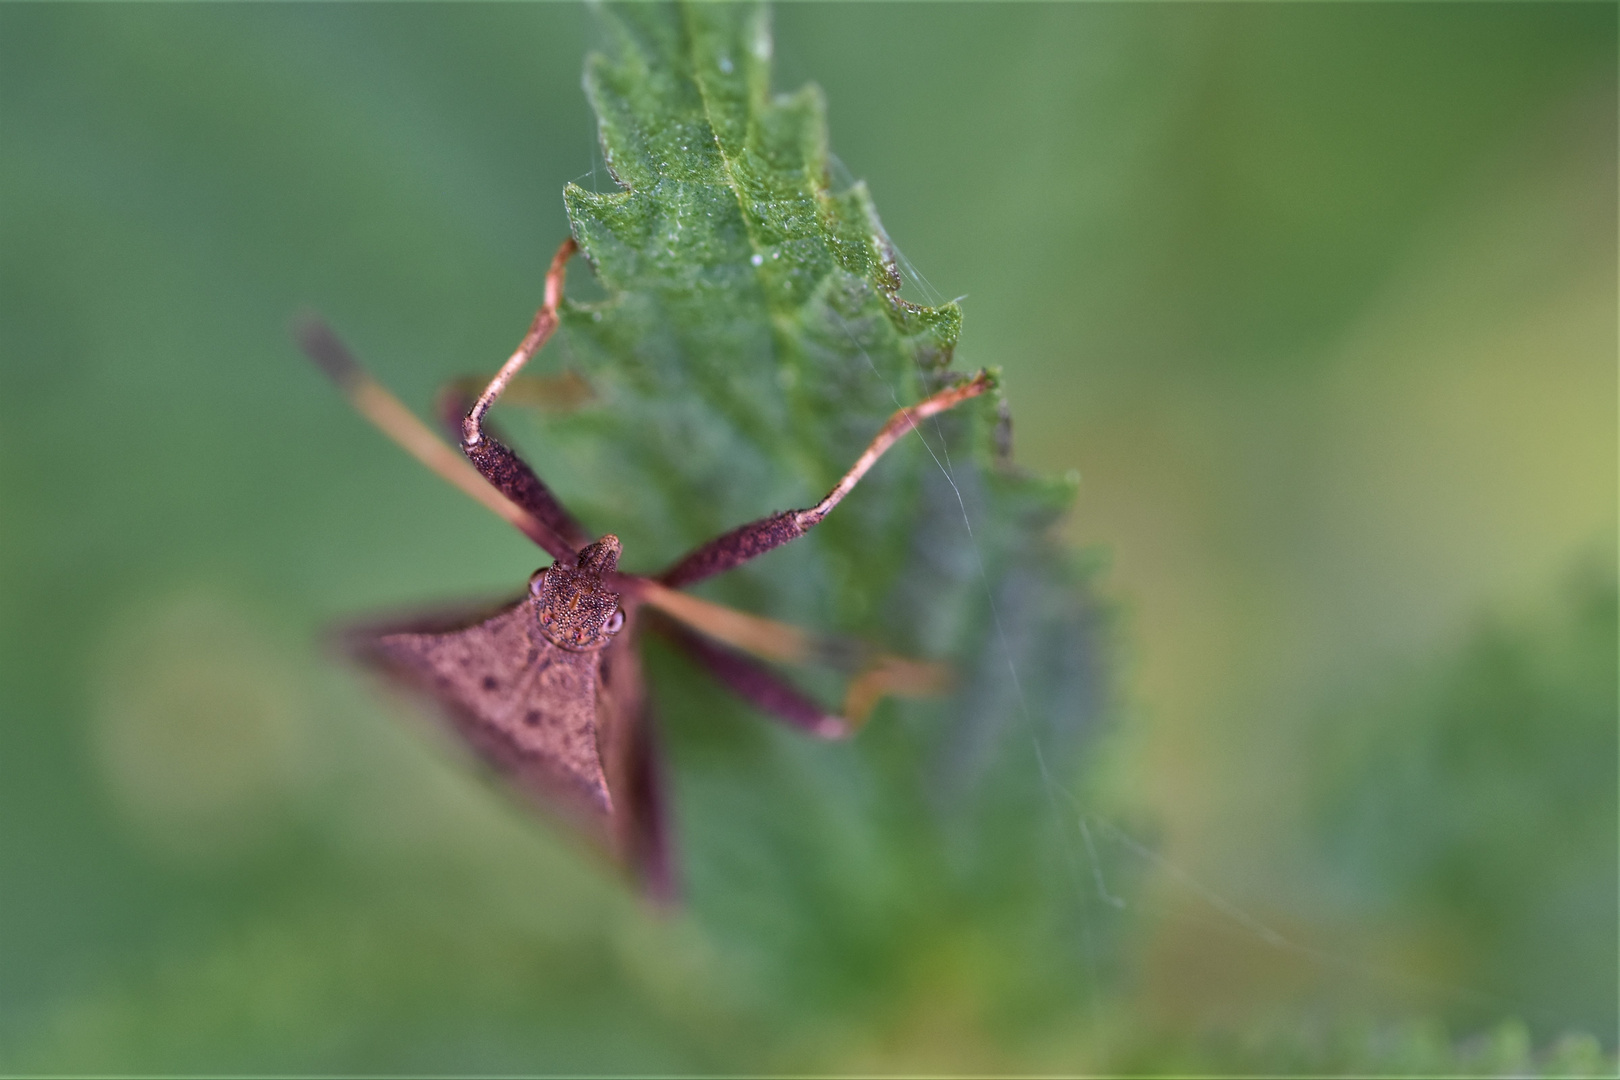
column 1481, row 798
column 1320, row 299
column 1414, row 1048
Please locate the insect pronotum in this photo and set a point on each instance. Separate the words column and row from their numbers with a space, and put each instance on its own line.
column 547, row 689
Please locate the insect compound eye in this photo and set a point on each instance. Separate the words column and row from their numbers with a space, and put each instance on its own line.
column 615, row 622
column 537, row 581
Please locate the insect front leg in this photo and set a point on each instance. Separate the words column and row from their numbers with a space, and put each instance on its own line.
column 509, row 473
column 377, row 404
column 498, row 464
column 732, row 549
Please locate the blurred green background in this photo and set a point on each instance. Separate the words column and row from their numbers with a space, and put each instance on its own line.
column 1321, row 302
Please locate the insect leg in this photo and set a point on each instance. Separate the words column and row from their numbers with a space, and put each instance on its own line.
column 375, row 403
column 545, row 322
column 501, row 466
column 753, row 683
column 738, row 546
column 509, row 473
column 875, row 674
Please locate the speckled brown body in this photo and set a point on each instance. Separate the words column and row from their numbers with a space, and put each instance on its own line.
column 540, row 688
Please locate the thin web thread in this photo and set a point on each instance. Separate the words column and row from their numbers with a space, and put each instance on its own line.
column 1087, row 942
column 1231, row 911
column 978, row 555
column 1236, row 915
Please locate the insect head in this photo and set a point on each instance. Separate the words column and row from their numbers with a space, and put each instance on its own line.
column 575, row 610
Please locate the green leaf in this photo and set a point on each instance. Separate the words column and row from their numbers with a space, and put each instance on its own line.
column 751, row 340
